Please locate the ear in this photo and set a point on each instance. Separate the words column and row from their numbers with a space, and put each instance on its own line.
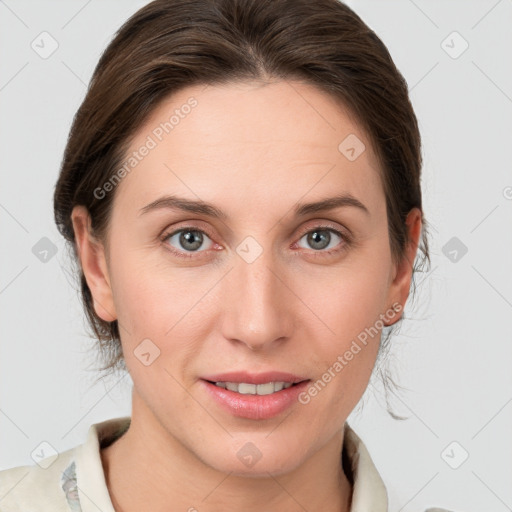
column 94, row 266
column 402, row 274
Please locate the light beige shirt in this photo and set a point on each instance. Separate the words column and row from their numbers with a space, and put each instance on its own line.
column 74, row 480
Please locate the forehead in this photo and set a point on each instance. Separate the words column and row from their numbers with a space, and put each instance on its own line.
column 251, row 139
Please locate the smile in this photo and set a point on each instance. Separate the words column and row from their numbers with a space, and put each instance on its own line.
column 245, row 388
column 266, row 397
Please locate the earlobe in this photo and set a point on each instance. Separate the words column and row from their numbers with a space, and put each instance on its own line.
column 93, row 262
column 401, row 284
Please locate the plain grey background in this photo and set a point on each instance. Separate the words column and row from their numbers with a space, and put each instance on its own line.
column 454, row 353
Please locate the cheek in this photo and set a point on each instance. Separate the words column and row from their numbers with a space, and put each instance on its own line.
column 346, row 351
column 350, row 302
column 164, row 307
column 148, row 300
column 139, row 305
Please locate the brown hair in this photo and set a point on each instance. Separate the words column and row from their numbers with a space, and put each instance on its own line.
column 171, row 44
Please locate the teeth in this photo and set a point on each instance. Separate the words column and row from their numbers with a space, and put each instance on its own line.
column 254, row 389
column 230, row 385
column 247, row 389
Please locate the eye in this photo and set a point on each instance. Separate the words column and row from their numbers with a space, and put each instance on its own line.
column 321, row 238
column 188, row 239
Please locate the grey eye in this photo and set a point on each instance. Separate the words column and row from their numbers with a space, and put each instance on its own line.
column 188, row 239
column 321, row 238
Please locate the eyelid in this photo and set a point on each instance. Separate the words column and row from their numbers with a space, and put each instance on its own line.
column 325, row 224
column 192, row 225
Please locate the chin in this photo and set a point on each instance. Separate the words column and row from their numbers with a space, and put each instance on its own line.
column 256, row 458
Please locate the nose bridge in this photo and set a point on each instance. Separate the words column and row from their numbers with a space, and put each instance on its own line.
column 258, row 317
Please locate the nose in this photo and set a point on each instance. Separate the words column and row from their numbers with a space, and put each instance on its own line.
column 257, row 311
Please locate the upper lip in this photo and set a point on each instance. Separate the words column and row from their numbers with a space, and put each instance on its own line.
column 255, row 378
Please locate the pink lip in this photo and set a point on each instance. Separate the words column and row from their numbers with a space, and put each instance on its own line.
column 255, row 378
column 255, row 407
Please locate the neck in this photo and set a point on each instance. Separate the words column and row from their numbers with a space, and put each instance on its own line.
column 148, row 469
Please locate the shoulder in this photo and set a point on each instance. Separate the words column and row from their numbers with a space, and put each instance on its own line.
column 50, row 485
column 45, row 486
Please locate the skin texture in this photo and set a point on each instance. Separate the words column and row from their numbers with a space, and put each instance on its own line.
column 254, row 151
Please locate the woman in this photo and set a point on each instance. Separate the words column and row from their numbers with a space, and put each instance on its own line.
column 241, row 189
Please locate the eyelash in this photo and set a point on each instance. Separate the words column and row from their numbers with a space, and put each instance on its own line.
column 347, row 240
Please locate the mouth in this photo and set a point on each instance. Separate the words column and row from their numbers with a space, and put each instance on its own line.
column 255, row 396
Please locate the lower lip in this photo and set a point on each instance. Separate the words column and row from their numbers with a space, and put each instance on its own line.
column 255, row 407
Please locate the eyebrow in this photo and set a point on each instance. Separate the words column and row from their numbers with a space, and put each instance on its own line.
column 204, row 208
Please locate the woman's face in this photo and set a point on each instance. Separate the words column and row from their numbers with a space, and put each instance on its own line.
column 255, row 284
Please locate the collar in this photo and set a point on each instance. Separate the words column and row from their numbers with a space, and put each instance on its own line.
column 369, row 491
